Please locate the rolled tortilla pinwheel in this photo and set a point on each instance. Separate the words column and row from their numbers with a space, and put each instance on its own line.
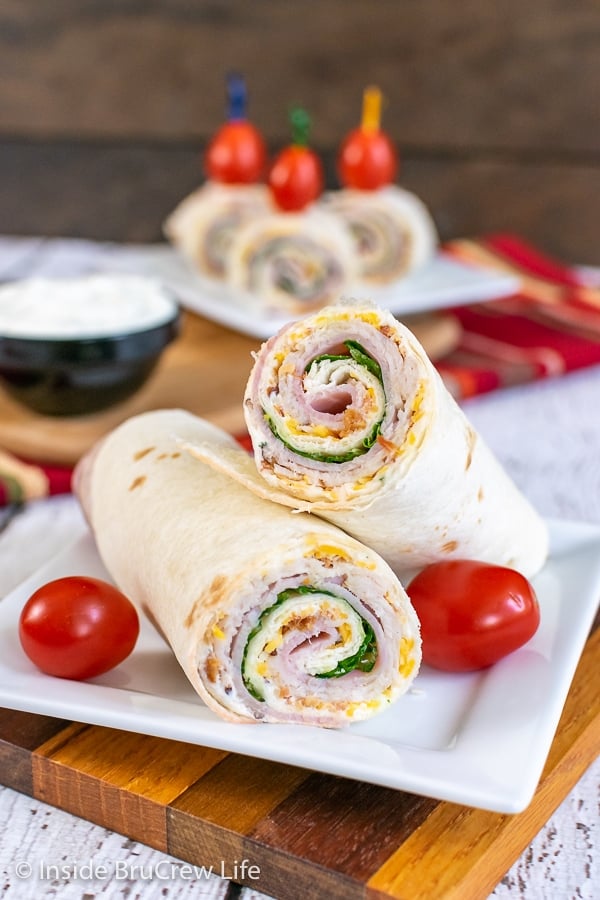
column 274, row 617
column 294, row 262
column 392, row 230
column 349, row 419
column 203, row 225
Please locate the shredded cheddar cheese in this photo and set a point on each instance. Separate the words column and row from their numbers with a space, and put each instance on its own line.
column 345, row 632
column 320, row 431
column 407, row 661
column 273, row 644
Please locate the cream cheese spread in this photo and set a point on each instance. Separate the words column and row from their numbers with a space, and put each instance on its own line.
column 84, row 307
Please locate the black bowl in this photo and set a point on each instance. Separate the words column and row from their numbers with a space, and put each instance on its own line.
column 75, row 376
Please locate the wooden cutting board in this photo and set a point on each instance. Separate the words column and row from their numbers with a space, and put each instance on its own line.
column 204, row 371
column 309, row 835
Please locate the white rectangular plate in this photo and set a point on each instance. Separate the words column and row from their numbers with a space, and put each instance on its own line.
column 442, row 283
column 480, row 739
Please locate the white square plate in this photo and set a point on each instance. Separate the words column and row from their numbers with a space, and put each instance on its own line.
column 480, row 739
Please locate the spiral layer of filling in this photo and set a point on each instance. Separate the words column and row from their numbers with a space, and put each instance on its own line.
column 319, row 402
column 391, row 229
column 206, row 222
column 213, row 249
column 294, row 262
column 383, row 244
column 293, row 269
column 327, row 645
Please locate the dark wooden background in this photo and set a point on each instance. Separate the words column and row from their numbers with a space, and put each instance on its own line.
column 105, row 106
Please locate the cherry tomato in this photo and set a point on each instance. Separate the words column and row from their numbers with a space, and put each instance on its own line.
column 78, row 627
column 296, row 178
column 472, row 613
column 237, row 153
column 367, row 159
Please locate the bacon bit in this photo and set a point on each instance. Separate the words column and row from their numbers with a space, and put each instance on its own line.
column 387, row 445
column 353, row 420
column 137, row 482
column 314, row 703
column 386, row 330
column 298, row 623
column 211, row 667
column 449, row 546
column 141, row 453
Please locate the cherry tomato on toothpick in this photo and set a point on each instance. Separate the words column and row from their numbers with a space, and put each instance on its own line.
column 237, row 153
column 472, row 613
column 296, row 178
column 78, row 627
column 368, row 159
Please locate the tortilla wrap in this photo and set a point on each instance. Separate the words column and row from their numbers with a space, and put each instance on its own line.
column 349, row 419
column 274, row 617
column 293, row 262
column 202, row 227
column 392, row 231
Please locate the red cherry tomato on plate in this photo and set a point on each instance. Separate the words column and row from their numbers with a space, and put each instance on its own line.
column 367, row 159
column 78, row 627
column 472, row 613
column 296, row 178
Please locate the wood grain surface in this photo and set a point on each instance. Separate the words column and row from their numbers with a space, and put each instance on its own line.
column 105, row 108
column 464, row 74
column 311, row 835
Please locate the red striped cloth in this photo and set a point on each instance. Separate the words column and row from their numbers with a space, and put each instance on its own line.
column 551, row 326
